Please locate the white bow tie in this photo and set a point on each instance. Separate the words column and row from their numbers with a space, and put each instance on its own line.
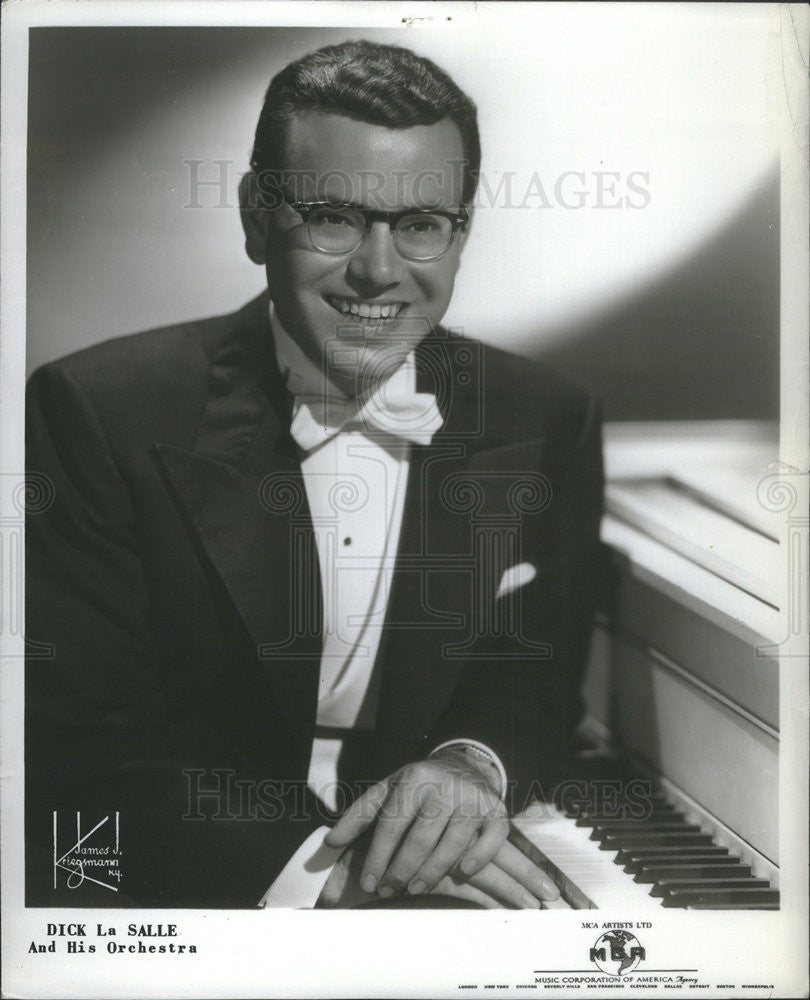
column 412, row 416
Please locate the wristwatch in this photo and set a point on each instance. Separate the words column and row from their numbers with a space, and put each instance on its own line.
column 478, row 751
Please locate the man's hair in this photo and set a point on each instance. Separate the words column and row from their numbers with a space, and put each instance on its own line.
column 380, row 84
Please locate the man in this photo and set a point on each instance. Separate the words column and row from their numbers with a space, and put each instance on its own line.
column 320, row 558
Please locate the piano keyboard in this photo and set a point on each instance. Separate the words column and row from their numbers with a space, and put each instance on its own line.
column 663, row 861
column 682, row 682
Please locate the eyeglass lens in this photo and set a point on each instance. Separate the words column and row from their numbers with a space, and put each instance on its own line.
column 419, row 236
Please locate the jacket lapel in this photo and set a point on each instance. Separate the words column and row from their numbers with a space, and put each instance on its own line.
column 460, row 531
column 433, row 583
column 241, row 492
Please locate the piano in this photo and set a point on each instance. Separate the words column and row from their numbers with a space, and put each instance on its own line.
column 682, row 685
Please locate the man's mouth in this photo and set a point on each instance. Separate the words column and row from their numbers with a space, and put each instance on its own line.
column 377, row 312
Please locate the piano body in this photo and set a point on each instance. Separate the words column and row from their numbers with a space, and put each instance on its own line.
column 683, row 681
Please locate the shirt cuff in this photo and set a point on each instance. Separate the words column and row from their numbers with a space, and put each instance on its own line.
column 482, row 750
column 302, row 879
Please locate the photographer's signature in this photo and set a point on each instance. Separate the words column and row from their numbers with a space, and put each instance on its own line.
column 96, row 860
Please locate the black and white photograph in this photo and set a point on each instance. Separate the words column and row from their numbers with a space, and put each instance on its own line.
column 404, row 499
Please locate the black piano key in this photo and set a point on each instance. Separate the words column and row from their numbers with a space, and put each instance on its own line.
column 640, row 812
column 633, row 855
column 667, row 886
column 657, row 801
column 668, row 817
column 643, row 805
column 594, row 820
column 659, row 815
column 639, row 841
column 653, row 823
column 688, row 856
column 591, row 819
column 600, row 831
column 655, row 796
column 732, row 906
column 708, row 868
column 691, row 897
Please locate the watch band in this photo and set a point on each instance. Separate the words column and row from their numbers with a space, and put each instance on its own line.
column 483, row 752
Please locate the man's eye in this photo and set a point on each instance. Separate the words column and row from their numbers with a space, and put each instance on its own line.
column 332, row 219
column 420, row 227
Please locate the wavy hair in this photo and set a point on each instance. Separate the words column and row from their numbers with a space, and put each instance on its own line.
column 380, row 84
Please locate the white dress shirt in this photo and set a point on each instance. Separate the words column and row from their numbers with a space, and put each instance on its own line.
column 355, row 485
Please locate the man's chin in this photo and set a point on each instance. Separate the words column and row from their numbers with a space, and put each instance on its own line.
column 366, row 366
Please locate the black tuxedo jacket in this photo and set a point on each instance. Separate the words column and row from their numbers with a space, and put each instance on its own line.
column 173, row 596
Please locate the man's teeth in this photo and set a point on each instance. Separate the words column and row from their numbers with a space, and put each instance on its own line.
column 368, row 310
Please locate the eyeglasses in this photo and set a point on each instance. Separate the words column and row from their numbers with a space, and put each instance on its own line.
column 417, row 235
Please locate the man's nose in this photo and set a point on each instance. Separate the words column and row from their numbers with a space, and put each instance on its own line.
column 375, row 264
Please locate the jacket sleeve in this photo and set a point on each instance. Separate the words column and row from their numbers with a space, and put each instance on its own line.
column 101, row 735
column 526, row 708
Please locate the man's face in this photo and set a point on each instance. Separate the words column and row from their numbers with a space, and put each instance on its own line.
column 335, row 305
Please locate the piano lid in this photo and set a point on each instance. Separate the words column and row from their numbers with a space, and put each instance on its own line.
column 681, row 501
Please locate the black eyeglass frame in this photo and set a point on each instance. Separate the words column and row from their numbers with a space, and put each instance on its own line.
column 458, row 220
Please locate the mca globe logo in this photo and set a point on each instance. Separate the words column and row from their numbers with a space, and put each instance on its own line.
column 616, row 953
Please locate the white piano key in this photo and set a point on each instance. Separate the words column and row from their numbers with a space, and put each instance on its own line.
column 588, row 877
column 557, row 904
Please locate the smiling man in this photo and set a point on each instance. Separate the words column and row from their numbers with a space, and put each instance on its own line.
column 382, row 256
column 320, row 563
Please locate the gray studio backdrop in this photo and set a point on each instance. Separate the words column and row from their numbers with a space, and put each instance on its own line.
column 627, row 228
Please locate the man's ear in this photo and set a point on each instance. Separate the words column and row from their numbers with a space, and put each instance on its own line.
column 253, row 218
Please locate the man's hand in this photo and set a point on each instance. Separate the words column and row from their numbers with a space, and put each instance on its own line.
column 342, row 888
column 510, row 880
column 426, row 816
column 433, row 818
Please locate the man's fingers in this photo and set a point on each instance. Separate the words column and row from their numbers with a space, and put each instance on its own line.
column 337, row 881
column 456, row 837
column 557, row 904
column 358, row 816
column 448, row 886
column 393, row 820
column 523, row 870
column 417, row 845
column 492, row 836
column 500, row 885
column 422, row 821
